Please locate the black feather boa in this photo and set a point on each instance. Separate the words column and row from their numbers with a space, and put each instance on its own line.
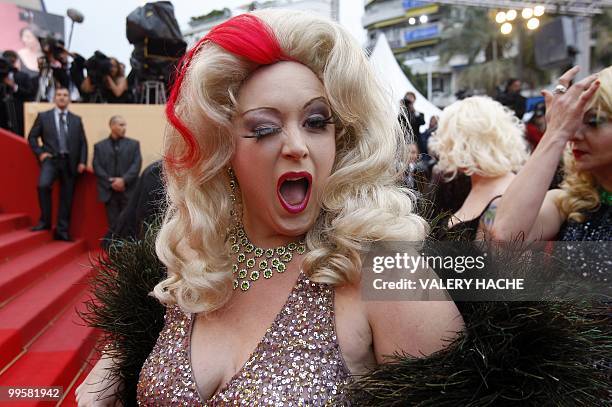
column 511, row 353
column 128, row 316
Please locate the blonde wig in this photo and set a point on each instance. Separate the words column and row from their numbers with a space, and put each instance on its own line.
column 479, row 136
column 361, row 202
column 580, row 193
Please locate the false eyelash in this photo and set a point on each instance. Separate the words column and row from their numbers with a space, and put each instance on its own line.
column 595, row 121
column 257, row 133
column 326, row 121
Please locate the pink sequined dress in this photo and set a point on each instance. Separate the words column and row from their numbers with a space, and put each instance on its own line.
column 297, row 363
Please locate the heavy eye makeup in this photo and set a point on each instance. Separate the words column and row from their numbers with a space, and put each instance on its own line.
column 594, row 120
column 315, row 119
column 261, row 125
column 318, row 117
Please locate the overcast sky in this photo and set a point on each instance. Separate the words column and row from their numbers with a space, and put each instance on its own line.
column 104, row 25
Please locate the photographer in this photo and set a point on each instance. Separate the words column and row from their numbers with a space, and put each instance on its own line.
column 16, row 88
column 59, row 69
column 105, row 81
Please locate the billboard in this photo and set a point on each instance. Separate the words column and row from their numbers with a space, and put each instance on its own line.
column 20, row 30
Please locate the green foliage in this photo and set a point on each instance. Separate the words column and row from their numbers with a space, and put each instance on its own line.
column 602, row 30
column 213, row 15
column 473, row 32
column 486, row 75
column 418, row 81
column 470, row 33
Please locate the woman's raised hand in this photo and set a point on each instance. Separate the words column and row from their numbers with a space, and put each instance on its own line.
column 567, row 103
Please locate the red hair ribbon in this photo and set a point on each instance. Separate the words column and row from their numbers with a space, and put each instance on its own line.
column 244, row 35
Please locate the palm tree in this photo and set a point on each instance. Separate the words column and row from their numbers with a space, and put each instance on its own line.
column 474, row 32
column 601, row 56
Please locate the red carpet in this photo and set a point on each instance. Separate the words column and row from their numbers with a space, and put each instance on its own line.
column 42, row 284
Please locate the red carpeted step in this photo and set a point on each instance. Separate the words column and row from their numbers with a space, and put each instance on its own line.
column 25, row 269
column 57, row 356
column 13, row 221
column 69, row 397
column 27, row 314
column 14, row 243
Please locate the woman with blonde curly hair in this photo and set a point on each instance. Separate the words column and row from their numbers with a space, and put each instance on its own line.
column 578, row 127
column 484, row 140
column 280, row 167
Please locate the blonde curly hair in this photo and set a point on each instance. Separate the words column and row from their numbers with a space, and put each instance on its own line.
column 579, row 188
column 478, row 135
column 361, row 202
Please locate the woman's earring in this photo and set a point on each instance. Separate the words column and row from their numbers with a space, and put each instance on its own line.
column 233, row 184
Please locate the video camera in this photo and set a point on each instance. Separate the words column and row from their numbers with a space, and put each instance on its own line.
column 98, row 66
column 52, row 49
column 158, row 42
column 5, row 68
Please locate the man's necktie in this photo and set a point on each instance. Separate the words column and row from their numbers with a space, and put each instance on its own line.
column 62, row 134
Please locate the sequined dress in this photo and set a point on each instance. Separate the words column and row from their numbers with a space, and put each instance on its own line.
column 592, row 261
column 298, row 362
column 597, row 227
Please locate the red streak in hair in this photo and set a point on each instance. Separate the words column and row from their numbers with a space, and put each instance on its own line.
column 245, row 36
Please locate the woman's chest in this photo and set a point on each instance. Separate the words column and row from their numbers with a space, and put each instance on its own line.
column 270, row 354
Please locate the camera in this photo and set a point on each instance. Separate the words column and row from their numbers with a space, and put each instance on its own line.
column 52, row 47
column 5, row 68
column 98, row 66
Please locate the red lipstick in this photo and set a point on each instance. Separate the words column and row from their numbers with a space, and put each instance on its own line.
column 294, row 176
column 578, row 153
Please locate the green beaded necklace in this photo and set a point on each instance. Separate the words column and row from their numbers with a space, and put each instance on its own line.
column 252, row 262
column 605, row 197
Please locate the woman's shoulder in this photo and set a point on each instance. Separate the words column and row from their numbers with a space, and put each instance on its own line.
column 416, row 328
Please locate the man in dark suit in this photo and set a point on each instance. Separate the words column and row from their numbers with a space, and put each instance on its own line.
column 63, row 155
column 116, row 163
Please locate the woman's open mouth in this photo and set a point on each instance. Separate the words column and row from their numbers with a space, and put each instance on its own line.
column 293, row 190
column 578, row 153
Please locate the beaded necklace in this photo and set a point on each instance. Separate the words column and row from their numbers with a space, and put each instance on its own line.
column 253, row 262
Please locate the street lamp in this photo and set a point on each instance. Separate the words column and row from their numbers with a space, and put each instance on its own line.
column 538, row 11
column 506, row 28
column 533, row 23
column 500, row 17
column 527, row 13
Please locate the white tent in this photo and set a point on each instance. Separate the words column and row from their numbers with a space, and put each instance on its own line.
column 394, row 80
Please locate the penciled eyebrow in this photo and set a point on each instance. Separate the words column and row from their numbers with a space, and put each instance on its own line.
column 320, row 98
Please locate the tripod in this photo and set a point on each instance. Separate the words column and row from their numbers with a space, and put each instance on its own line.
column 45, row 80
column 97, row 96
column 153, row 92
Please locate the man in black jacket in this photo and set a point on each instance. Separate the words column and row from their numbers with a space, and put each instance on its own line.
column 410, row 120
column 512, row 98
column 116, row 163
column 18, row 88
column 63, row 155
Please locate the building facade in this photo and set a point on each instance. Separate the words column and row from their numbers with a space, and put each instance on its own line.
column 413, row 29
column 199, row 26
